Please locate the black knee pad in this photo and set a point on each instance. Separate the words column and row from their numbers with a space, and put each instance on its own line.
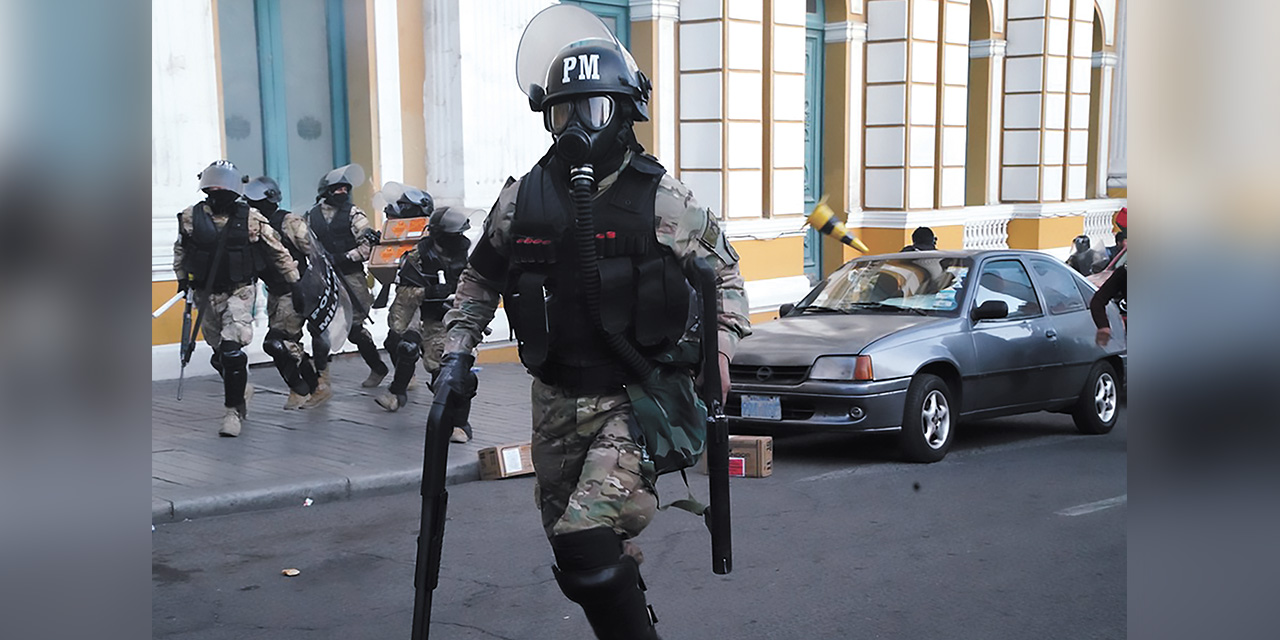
column 274, row 344
column 392, row 340
column 410, row 347
column 594, row 572
column 359, row 334
column 216, row 360
column 233, row 355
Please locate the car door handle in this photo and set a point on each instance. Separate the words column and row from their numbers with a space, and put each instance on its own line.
column 1051, row 333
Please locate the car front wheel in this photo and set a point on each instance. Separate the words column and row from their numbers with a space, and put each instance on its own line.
column 928, row 426
column 1096, row 411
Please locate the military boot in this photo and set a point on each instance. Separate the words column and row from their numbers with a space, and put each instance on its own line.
column 296, row 401
column 323, row 391
column 459, row 436
column 374, row 379
column 392, row 401
column 230, row 423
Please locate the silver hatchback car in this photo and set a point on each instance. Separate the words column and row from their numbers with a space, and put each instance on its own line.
column 914, row 342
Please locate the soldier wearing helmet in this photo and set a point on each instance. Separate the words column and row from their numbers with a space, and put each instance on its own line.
column 283, row 341
column 587, row 252
column 344, row 231
column 223, row 245
column 427, row 278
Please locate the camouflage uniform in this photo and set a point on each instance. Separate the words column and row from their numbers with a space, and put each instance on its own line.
column 403, row 316
column 588, row 466
column 357, row 285
column 281, row 315
column 229, row 315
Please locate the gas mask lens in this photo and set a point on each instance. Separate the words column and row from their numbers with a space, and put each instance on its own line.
column 594, row 113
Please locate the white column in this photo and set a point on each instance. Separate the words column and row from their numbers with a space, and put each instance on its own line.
column 993, row 49
column 479, row 126
column 787, row 164
column 664, row 14
column 387, row 61
column 1106, row 63
column 1118, row 149
column 186, row 120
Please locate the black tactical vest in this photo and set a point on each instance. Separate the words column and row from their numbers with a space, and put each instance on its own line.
column 237, row 265
column 275, row 282
column 434, row 272
column 336, row 236
column 644, row 294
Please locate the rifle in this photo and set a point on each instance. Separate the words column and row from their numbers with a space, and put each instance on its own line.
column 188, row 341
column 717, row 514
column 435, row 500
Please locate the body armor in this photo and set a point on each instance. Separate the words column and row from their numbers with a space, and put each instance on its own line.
column 437, row 274
column 644, row 294
column 276, row 285
column 336, row 236
column 239, row 263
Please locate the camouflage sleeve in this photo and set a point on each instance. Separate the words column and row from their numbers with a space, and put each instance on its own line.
column 179, row 253
column 261, row 232
column 693, row 231
column 295, row 230
column 364, row 249
column 477, row 297
column 404, row 307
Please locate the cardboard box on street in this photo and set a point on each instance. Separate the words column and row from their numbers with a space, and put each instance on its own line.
column 749, row 457
column 506, row 461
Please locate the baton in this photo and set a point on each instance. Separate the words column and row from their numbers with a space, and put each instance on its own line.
column 165, row 307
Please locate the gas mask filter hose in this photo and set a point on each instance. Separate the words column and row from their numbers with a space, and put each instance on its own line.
column 582, row 183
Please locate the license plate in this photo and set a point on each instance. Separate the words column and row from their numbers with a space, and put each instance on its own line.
column 762, row 407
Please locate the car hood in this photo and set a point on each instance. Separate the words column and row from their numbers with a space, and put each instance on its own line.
column 799, row 340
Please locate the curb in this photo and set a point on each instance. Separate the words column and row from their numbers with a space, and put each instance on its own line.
column 320, row 489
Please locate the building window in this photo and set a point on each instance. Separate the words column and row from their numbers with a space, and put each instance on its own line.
column 615, row 13
column 284, row 91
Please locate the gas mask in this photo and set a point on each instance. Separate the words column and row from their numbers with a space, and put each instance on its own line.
column 585, row 129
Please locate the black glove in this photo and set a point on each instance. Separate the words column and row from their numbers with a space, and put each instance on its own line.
column 183, row 285
column 456, row 375
column 371, row 236
column 298, row 299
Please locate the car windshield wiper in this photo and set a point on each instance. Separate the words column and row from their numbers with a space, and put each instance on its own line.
column 881, row 305
column 819, row 308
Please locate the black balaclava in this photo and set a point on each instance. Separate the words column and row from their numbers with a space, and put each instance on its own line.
column 338, row 199
column 265, row 207
column 450, row 246
column 222, row 199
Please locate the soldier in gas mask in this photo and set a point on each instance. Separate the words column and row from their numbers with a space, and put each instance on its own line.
column 344, row 231
column 588, row 253
column 223, row 244
column 428, row 275
column 284, row 333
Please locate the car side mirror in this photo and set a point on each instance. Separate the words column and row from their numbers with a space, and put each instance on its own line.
column 991, row 310
column 786, row 309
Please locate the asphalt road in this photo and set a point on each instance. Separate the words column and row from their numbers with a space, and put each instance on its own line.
column 1018, row 533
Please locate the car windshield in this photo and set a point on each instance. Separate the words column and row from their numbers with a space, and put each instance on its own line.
column 924, row 285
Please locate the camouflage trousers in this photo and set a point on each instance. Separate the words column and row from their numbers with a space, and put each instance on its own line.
column 432, row 345
column 588, row 467
column 358, row 283
column 282, row 318
column 227, row 316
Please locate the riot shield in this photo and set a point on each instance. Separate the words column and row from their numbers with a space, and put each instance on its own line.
column 326, row 304
column 548, row 33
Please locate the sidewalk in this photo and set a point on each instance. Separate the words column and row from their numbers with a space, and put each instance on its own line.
column 345, row 448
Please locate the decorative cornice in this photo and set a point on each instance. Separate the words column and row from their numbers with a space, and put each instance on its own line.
column 1105, row 59
column 847, row 31
column 960, row 215
column 644, row 10
column 993, row 48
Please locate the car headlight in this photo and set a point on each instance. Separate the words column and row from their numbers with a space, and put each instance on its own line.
column 842, row 368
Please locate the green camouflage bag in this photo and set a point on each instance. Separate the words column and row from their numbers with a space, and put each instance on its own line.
column 671, row 418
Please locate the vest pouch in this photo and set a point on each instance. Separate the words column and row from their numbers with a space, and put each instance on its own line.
column 616, row 295
column 670, row 420
column 529, row 306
